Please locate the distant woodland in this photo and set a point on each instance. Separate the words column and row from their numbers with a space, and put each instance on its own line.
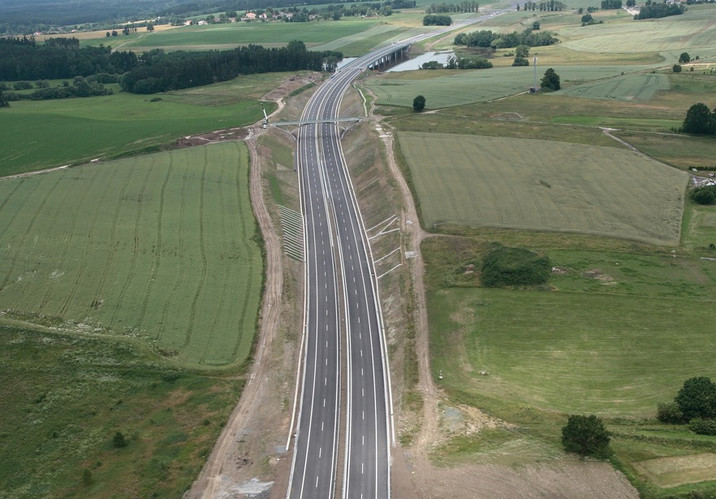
column 24, row 59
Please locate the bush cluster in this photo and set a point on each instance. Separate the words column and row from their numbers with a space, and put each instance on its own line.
column 514, row 267
column 695, row 404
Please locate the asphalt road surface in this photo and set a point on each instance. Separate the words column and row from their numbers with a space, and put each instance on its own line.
column 341, row 289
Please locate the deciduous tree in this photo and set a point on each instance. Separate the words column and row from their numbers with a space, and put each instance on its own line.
column 697, row 398
column 699, row 119
column 419, row 103
column 586, row 435
column 550, row 80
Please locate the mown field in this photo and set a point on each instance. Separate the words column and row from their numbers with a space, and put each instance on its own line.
column 46, row 134
column 160, row 247
column 65, row 396
column 543, row 185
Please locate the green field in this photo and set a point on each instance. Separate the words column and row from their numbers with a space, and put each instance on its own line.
column 640, row 87
column 43, row 134
column 449, row 88
column 64, row 396
column 543, row 185
column 693, row 32
column 160, row 247
column 231, row 35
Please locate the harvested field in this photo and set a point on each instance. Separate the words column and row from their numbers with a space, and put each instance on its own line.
column 679, row 470
column 543, row 185
column 161, row 247
column 640, row 87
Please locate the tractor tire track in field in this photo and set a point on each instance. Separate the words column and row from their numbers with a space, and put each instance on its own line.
column 112, row 247
column 21, row 245
column 12, row 192
column 243, row 237
column 202, row 251
column 180, row 254
column 87, row 250
column 222, row 298
column 135, row 248
column 614, row 88
column 645, row 85
column 67, row 239
column 158, row 246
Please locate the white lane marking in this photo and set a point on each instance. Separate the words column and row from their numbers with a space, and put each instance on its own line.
column 361, row 468
column 324, row 402
column 325, row 381
column 320, row 449
column 362, row 392
column 363, row 439
column 316, row 481
column 363, row 413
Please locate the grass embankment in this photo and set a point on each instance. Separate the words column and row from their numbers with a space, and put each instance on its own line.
column 161, row 247
column 46, row 134
column 65, row 396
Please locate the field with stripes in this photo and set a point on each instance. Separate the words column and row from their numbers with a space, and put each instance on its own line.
column 543, row 185
column 161, row 247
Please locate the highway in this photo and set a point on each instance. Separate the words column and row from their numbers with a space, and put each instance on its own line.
column 341, row 297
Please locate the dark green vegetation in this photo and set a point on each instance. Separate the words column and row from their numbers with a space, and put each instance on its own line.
column 695, row 404
column 699, row 120
column 87, row 416
column 504, row 267
column 159, row 72
column 419, row 103
column 486, row 38
column 587, row 436
column 437, row 20
column 56, row 58
column 705, row 194
column 550, row 81
column 655, row 10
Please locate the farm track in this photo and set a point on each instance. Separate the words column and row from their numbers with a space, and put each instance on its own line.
column 21, row 243
column 135, row 250
column 202, row 252
column 67, row 236
column 112, row 246
column 158, row 245
column 222, row 299
column 86, row 247
column 180, row 273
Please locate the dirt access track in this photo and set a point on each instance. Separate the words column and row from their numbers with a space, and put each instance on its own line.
column 244, row 461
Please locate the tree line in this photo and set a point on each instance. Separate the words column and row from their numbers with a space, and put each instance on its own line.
column 81, row 87
column 58, row 58
column 653, row 10
column 444, row 8
column 437, row 20
column 158, row 71
column 486, row 38
column 546, row 6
